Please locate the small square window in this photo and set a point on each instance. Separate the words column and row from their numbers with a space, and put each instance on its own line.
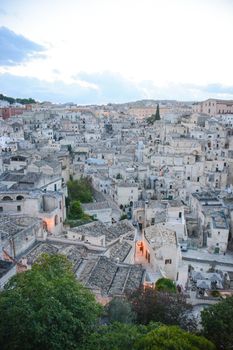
column 168, row 261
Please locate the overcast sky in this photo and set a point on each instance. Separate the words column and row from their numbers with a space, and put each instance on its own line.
column 100, row 51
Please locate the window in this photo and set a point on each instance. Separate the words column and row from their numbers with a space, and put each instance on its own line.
column 1, row 209
column 18, row 207
column 55, row 187
column 188, row 178
column 56, row 220
column 198, row 179
column 7, row 198
column 180, row 214
column 168, row 261
column 19, row 198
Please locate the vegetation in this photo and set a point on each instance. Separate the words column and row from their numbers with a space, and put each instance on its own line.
column 76, row 211
column 80, row 190
column 166, row 285
column 120, row 310
column 116, row 336
column 120, row 336
column 123, row 217
column 217, row 323
column 172, row 338
column 46, row 308
column 119, row 176
column 151, row 305
column 154, row 117
column 215, row 293
column 11, row 100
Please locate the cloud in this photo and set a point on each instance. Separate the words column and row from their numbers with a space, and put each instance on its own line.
column 86, row 89
column 16, row 49
column 219, row 89
column 106, row 87
column 112, row 87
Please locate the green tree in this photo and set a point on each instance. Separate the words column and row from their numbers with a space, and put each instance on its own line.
column 155, row 336
column 116, row 336
column 217, row 323
column 46, row 308
column 154, row 117
column 80, row 190
column 123, row 217
column 165, row 307
column 157, row 113
column 172, row 338
column 166, row 285
column 76, row 211
column 120, row 310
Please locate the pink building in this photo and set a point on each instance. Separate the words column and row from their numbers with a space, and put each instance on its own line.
column 214, row 106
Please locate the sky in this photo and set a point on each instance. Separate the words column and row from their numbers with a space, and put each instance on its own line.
column 102, row 51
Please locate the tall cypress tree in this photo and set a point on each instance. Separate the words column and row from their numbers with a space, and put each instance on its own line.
column 157, row 114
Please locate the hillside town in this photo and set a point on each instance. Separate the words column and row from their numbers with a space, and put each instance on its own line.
column 162, row 193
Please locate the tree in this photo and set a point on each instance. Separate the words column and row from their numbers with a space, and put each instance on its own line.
column 117, row 336
column 80, row 190
column 172, row 338
column 46, row 308
column 165, row 307
column 217, row 323
column 154, row 117
column 157, row 113
column 120, row 310
column 123, row 217
column 166, row 285
column 155, row 336
column 76, row 211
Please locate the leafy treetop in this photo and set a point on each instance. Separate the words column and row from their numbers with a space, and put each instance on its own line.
column 46, row 308
column 11, row 100
column 217, row 323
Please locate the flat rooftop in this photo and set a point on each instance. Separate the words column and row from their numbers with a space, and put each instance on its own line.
column 159, row 235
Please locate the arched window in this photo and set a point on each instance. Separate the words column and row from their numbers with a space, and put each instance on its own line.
column 45, row 226
column 56, row 220
column 7, row 198
column 19, row 198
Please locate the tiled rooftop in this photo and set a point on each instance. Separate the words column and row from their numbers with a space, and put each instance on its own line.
column 11, row 225
column 114, row 279
column 120, row 251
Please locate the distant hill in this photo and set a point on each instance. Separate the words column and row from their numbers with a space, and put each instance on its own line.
column 148, row 103
column 11, row 100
